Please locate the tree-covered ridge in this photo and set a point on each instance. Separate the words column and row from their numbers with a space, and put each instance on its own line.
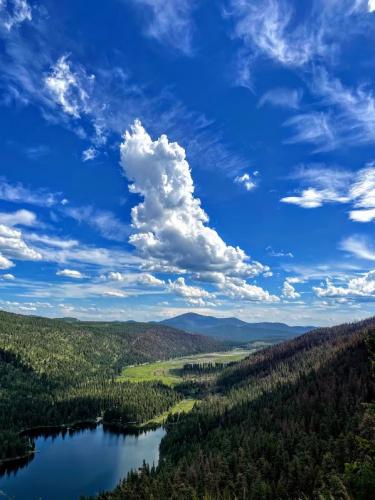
column 54, row 372
column 294, row 421
column 80, row 350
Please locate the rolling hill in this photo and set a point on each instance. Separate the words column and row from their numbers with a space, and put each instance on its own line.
column 74, row 348
column 235, row 329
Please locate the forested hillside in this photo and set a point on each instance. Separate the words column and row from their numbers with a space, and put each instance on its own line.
column 52, row 372
column 293, row 421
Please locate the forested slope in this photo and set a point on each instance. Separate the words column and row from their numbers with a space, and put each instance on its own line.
column 293, row 421
column 80, row 350
column 53, row 372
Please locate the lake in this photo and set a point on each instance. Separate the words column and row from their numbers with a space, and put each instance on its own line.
column 85, row 462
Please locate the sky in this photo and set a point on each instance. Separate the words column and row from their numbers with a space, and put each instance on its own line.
column 165, row 156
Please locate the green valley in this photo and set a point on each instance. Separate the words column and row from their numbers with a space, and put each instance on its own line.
column 170, row 372
column 54, row 372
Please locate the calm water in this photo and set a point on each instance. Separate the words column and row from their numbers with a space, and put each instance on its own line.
column 80, row 463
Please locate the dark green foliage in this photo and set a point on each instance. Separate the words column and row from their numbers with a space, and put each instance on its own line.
column 294, row 421
column 56, row 371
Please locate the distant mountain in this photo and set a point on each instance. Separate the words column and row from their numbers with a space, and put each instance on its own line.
column 235, row 329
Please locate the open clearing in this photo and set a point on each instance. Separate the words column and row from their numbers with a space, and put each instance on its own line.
column 183, row 406
column 166, row 371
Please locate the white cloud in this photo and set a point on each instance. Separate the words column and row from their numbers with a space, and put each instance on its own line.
column 116, row 276
column 294, row 279
column 8, row 277
column 289, row 292
column 143, row 279
column 179, row 287
column 363, row 286
column 347, row 115
column 276, row 29
column 89, row 154
column 315, row 128
column 210, row 277
column 13, row 246
column 88, row 255
column 114, row 293
column 354, row 121
column 265, row 27
column 169, row 22
column 371, row 5
column 169, row 226
column 358, row 246
column 237, row 288
column 363, row 194
column 246, row 181
column 279, row 253
column 104, row 221
column 14, row 12
column 282, row 98
column 70, row 273
column 147, row 279
column 335, row 186
column 69, row 88
column 17, row 193
column 51, row 241
column 310, row 198
column 20, row 217
column 5, row 263
column 366, row 215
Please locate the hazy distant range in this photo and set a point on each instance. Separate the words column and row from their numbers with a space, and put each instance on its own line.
column 235, row 329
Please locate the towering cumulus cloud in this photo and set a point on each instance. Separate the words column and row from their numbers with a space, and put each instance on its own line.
column 170, row 227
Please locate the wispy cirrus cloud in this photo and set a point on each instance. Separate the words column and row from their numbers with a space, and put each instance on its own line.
column 358, row 246
column 97, row 103
column 325, row 185
column 169, row 22
column 265, row 28
column 14, row 13
column 18, row 193
column 282, row 97
column 314, row 127
column 69, row 88
column 273, row 29
column 309, row 42
column 346, row 116
column 104, row 221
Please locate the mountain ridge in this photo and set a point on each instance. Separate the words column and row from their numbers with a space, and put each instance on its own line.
column 235, row 329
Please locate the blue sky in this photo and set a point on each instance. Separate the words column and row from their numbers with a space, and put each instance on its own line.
column 159, row 157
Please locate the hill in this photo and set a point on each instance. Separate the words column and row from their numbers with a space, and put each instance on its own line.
column 296, row 420
column 235, row 329
column 56, row 371
column 66, row 349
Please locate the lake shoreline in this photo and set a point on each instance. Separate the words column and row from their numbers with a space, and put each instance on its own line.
column 79, row 464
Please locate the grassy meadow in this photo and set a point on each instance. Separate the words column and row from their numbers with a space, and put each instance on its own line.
column 167, row 372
